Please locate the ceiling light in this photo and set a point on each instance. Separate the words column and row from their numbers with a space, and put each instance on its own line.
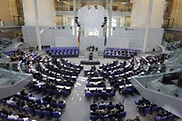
column 123, row 3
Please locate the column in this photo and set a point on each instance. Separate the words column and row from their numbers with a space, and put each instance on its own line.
column 110, row 17
column 74, row 9
column 44, row 12
column 140, row 12
column 37, row 25
column 147, row 24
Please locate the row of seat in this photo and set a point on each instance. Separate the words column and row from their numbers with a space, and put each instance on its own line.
column 125, row 49
column 165, row 118
column 121, row 53
column 6, row 117
column 63, row 51
column 29, row 110
column 104, row 111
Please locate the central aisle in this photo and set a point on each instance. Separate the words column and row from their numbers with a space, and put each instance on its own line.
column 77, row 108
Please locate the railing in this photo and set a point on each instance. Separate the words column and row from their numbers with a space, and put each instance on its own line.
column 168, row 23
column 7, row 23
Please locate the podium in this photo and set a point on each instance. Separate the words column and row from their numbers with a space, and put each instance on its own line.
column 90, row 56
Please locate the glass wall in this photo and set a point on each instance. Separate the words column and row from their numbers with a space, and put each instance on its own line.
column 118, row 6
column 122, row 5
column 16, row 11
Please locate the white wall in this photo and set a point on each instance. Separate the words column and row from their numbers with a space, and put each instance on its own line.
column 49, row 36
column 66, row 41
column 121, row 38
column 136, row 37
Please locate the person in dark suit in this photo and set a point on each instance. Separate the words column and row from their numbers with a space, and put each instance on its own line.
column 23, row 92
column 93, row 104
column 4, row 111
column 119, row 106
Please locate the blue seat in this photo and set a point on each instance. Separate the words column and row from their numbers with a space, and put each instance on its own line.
column 20, row 119
column 17, row 107
column 95, row 94
column 61, row 105
column 49, row 91
column 159, row 118
column 146, row 111
column 121, row 115
column 88, row 94
column 45, row 102
column 29, row 110
column 64, row 92
column 54, row 104
column 170, row 117
column 46, row 113
column 38, row 112
column 138, row 102
column 38, row 101
column 116, row 85
column 93, row 108
column 4, row 116
column 88, row 85
column 112, row 94
column 104, row 117
column 103, row 95
column 132, row 89
column 102, row 106
column 125, row 91
column 43, row 88
column 10, row 119
column 94, row 117
column 154, row 109
column 56, row 115
column 110, row 107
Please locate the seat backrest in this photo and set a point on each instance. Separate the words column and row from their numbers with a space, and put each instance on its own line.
column 147, row 110
column 170, row 117
column 56, row 114
column 163, row 118
column 46, row 113
column 93, row 117
column 95, row 94
column 122, row 114
column 38, row 112
column 62, row 105
column 20, row 119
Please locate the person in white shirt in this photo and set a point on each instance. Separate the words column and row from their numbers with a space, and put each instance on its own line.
column 1, row 23
column 12, row 116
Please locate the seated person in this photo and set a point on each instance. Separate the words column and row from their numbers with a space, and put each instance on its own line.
column 23, row 92
column 93, row 104
column 110, row 106
column 96, row 49
column 119, row 106
column 12, row 100
column 4, row 111
column 12, row 116
column 112, row 114
column 137, row 118
column 96, row 112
